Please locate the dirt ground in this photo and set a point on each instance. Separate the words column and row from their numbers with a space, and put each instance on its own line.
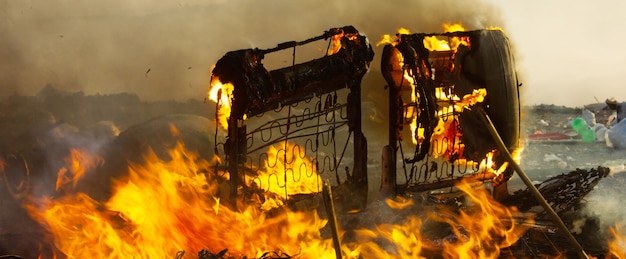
column 546, row 158
column 542, row 159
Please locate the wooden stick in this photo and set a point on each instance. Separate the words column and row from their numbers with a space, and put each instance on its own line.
column 332, row 218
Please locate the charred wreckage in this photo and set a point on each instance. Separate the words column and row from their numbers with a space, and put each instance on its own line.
column 461, row 104
column 454, row 116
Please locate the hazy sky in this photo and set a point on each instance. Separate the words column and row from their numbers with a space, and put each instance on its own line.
column 568, row 52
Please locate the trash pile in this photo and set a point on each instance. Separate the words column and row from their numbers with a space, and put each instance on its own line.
column 612, row 131
column 599, row 122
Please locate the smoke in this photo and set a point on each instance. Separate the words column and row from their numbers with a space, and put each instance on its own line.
column 165, row 50
column 605, row 202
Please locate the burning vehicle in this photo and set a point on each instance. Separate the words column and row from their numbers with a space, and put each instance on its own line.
column 281, row 171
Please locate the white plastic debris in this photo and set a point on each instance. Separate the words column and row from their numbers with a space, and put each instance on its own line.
column 600, row 131
column 616, row 136
column 560, row 163
column 589, row 117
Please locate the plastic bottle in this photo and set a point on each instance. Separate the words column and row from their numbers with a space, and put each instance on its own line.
column 580, row 126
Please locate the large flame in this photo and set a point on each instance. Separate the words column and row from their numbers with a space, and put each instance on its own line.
column 481, row 231
column 486, row 230
column 446, row 134
column 164, row 207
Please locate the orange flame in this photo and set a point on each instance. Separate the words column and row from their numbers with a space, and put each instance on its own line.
column 617, row 246
column 164, row 207
column 487, row 229
column 335, row 44
column 221, row 94
column 287, row 172
column 79, row 162
column 434, row 44
column 482, row 230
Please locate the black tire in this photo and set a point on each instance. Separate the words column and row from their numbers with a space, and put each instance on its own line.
column 490, row 64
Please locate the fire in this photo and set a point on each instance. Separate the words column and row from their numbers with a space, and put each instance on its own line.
column 432, row 43
column 406, row 238
column 287, row 172
column 486, row 230
column 335, row 45
column 494, row 28
column 452, row 27
column 480, row 231
column 78, row 161
column 446, row 132
column 163, row 207
column 221, row 94
column 617, row 247
column 387, row 39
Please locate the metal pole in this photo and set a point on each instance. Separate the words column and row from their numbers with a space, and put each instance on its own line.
column 533, row 190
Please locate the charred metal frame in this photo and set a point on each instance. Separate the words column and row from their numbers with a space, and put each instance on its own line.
column 257, row 91
column 485, row 62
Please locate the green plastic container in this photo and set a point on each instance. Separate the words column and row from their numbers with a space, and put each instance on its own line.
column 580, row 126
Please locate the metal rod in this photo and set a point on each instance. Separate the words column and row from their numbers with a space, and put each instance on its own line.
column 533, row 190
column 332, row 218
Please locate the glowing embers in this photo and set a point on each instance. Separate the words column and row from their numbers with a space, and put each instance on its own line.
column 222, row 95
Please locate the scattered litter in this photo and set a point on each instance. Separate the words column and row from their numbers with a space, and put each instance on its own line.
column 589, row 117
column 616, row 135
column 551, row 158
column 600, row 131
column 538, row 135
column 581, row 127
column 554, row 158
